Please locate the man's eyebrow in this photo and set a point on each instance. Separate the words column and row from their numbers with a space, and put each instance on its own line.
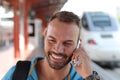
column 65, row 40
column 51, row 37
column 69, row 41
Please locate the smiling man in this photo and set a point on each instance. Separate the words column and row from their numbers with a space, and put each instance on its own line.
column 63, row 59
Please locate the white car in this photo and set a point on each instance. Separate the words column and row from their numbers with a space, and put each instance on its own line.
column 100, row 35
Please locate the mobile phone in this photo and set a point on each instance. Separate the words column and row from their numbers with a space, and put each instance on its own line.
column 78, row 44
column 78, row 62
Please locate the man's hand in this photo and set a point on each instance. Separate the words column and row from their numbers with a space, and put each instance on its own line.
column 82, row 62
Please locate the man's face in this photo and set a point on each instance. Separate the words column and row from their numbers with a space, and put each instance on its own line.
column 60, row 42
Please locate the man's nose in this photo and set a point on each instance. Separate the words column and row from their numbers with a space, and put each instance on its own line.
column 59, row 48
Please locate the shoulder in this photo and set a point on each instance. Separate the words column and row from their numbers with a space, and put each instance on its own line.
column 8, row 75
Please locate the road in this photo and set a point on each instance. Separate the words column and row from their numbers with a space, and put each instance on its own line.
column 115, row 73
column 107, row 73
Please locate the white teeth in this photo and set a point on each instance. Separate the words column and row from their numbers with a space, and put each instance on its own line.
column 56, row 57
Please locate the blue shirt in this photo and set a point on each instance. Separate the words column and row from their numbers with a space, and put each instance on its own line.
column 33, row 74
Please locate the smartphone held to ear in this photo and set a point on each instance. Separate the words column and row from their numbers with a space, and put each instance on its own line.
column 78, row 44
column 78, row 62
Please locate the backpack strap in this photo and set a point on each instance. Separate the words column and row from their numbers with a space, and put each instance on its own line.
column 22, row 70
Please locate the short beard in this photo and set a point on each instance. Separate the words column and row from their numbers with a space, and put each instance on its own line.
column 58, row 66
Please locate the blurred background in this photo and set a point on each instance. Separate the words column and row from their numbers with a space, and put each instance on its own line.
column 22, row 24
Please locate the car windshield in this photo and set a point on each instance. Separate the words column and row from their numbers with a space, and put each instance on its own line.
column 101, row 20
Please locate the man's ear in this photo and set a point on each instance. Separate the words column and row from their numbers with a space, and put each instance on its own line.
column 44, row 32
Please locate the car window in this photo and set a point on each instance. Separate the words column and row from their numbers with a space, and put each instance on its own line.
column 99, row 21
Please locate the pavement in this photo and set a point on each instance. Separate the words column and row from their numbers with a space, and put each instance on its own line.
column 6, row 60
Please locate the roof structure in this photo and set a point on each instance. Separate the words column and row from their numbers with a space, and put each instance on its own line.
column 37, row 8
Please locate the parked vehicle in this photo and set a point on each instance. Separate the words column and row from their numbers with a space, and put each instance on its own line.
column 100, row 35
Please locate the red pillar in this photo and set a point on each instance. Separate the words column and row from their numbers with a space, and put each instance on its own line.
column 25, row 13
column 16, row 31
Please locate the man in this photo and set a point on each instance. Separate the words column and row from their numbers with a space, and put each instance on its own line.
column 63, row 59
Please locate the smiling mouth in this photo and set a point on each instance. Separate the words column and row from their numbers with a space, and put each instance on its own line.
column 57, row 58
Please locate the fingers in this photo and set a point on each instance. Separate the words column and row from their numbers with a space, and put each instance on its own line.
column 79, row 56
column 76, row 58
column 82, row 62
column 77, row 62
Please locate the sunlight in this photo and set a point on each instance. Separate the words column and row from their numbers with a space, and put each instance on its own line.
column 79, row 6
column 4, row 14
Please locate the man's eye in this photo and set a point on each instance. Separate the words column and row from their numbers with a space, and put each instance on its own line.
column 67, row 44
column 51, row 41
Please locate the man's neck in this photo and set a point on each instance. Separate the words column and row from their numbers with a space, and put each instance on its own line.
column 48, row 73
